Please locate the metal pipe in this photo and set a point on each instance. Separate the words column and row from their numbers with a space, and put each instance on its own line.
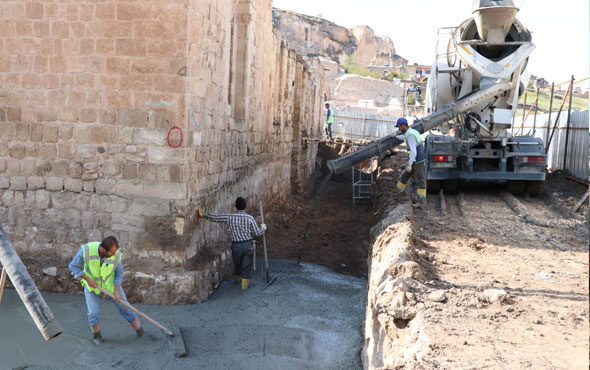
column 523, row 110
column 27, row 290
column 557, row 119
column 567, row 131
column 423, row 125
column 550, row 108
column 536, row 108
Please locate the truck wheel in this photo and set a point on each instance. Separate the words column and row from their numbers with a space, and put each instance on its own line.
column 516, row 187
column 450, row 186
column 433, row 186
column 534, row 188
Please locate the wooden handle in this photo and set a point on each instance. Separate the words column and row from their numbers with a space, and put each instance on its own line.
column 264, row 244
column 106, row 292
column 254, row 245
column 2, row 282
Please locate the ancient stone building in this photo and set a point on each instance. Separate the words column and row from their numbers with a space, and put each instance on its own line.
column 123, row 117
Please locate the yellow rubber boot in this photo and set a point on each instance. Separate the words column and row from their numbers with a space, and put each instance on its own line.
column 245, row 283
column 421, row 193
column 238, row 278
column 401, row 186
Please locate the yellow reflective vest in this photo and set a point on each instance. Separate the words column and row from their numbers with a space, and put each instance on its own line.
column 103, row 275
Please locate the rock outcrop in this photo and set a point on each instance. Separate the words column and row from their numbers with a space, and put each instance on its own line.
column 372, row 50
column 316, row 36
column 352, row 88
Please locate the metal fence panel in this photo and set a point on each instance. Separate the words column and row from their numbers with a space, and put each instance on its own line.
column 577, row 161
column 352, row 124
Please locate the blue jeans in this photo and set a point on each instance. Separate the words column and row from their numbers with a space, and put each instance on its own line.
column 94, row 310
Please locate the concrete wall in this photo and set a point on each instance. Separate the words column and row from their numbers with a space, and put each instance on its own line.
column 89, row 92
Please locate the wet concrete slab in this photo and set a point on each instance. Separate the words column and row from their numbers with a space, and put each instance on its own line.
column 309, row 318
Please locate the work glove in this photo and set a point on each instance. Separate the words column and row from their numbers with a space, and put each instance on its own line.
column 263, row 227
column 409, row 168
column 199, row 213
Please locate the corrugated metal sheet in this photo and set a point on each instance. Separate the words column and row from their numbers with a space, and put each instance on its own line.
column 578, row 142
column 351, row 124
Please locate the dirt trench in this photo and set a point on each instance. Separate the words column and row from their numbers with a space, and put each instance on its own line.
column 338, row 235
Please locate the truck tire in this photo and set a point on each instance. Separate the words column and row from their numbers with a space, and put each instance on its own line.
column 450, row 186
column 433, row 186
column 516, row 187
column 533, row 188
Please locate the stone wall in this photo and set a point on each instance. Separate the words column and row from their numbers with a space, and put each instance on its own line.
column 94, row 97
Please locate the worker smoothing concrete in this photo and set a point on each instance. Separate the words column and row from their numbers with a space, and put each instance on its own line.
column 415, row 166
column 242, row 228
column 99, row 263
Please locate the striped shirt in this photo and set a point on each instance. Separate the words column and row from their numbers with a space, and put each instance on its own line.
column 242, row 226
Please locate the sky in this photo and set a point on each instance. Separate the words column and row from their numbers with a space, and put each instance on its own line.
column 559, row 28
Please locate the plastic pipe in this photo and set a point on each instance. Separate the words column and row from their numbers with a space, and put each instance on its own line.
column 27, row 290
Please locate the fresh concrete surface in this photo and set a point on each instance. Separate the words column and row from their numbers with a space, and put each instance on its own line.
column 309, row 318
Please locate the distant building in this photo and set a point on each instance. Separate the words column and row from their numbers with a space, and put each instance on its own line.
column 416, row 71
column 539, row 82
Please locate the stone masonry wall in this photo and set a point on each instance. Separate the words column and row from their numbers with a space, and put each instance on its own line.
column 90, row 93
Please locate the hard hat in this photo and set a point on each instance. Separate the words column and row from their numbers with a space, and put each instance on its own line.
column 401, row 121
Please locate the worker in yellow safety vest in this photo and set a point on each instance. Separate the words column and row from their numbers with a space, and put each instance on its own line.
column 415, row 167
column 99, row 263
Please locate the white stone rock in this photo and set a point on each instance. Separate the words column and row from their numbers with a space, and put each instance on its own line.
column 437, row 296
column 51, row 271
column 494, row 295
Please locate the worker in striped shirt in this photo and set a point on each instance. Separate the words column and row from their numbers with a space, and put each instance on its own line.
column 242, row 229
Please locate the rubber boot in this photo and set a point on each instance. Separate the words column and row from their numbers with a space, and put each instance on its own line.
column 400, row 186
column 140, row 333
column 421, row 197
column 238, row 278
column 97, row 338
column 245, row 283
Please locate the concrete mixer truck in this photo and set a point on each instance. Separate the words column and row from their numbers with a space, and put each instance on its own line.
column 486, row 49
column 472, row 96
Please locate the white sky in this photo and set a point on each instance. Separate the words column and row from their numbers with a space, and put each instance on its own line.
column 560, row 27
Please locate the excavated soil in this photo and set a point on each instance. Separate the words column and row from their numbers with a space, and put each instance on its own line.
column 537, row 261
column 501, row 281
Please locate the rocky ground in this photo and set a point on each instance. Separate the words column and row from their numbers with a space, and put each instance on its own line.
column 516, row 289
